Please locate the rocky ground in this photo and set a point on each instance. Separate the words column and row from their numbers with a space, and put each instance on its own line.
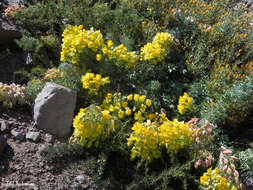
column 21, row 164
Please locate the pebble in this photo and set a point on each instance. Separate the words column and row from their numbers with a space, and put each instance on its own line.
column 34, row 136
column 49, row 138
column 4, row 126
column 18, row 135
column 80, row 178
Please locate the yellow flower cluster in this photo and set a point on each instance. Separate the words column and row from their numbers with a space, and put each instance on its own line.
column 127, row 106
column 213, row 180
column 175, row 135
column 156, row 51
column 148, row 139
column 77, row 40
column 151, row 133
column 184, row 103
column 91, row 126
column 92, row 82
column 119, row 54
column 95, row 123
column 145, row 141
column 52, row 74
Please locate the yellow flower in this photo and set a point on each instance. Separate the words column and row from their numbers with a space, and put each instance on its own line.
column 109, row 43
column 143, row 108
column 148, row 102
column 111, row 108
column 109, row 95
column 136, row 97
column 130, row 97
column 121, row 114
column 128, row 111
column 142, row 98
column 106, row 116
column 152, row 116
column 137, row 116
column 98, row 57
column 124, row 104
column 184, row 103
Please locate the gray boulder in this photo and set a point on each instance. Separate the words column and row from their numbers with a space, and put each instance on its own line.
column 54, row 109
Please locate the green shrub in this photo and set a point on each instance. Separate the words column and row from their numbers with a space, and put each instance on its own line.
column 232, row 107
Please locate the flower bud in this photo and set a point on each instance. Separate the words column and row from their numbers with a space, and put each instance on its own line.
column 221, row 156
column 225, row 168
column 234, row 158
column 229, row 171
column 236, row 173
column 232, row 166
column 223, row 148
column 226, row 152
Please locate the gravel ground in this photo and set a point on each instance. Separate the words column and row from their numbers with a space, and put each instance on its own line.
column 21, row 165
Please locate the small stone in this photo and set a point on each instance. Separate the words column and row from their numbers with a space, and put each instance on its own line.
column 80, row 178
column 4, row 126
column 34, row 136
column 3, row 144
column 18, row 135
column 49, row 138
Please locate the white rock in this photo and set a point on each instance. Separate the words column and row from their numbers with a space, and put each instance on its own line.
column 18, row 135
column 34, row 136
column 80, row 178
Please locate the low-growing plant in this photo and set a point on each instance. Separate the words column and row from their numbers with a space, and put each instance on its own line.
column 66, row 152
column 225, row 175
column 246, row 162
column 11, row 9
column 202, row 146
column 65, row 75
column 12, row 95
